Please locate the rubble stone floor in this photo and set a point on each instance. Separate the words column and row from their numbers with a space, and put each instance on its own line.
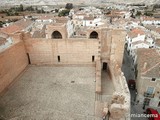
column 51, row 93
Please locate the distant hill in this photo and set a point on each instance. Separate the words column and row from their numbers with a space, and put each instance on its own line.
column 62, row 2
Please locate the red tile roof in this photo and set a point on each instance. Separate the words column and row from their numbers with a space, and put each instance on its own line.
column 11, row 29
column 138, row 31
column 16, row 27
column 151, row 58
column 134, row 32
column 88, row 18
column 44, row 17
column 150, row 18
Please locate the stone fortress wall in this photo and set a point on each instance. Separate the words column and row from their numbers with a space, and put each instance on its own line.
column 12, row 62
column 107, row 47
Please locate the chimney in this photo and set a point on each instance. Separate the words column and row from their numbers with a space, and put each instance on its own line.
column 145, row 66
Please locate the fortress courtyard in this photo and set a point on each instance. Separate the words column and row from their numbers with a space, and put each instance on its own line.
column 55, row 93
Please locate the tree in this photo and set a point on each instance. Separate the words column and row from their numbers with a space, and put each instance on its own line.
column 148, row 14
column 64, row 12
column 1, row 23
column 21, row 7
column 30, row 8
column 56, row 10
column 133, row 10
column 69, row 6
column 132, row 15
column 138, row 13
column 36, row 8
column 42, row 11
column 2, row 11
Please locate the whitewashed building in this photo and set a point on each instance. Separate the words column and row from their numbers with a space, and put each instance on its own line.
column 137, row 38
column 150, row 20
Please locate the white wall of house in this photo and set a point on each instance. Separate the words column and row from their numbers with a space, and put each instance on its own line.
column 132, row 46
column 88, row 23
column 151, row 41
column 151, row 22
column 131, row 40
column 71, row 13
column 78, row 16
column 70, row 28
column 44, row 20
column 139, row 38
column 135, row 24
column 140, row 45
column 77, row 22
column 93, row 23
column 158, row 47
column 127, row 15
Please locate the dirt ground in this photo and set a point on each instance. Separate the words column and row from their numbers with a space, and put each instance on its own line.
column 51, row 93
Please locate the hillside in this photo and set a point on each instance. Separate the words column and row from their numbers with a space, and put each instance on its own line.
column 62, row 2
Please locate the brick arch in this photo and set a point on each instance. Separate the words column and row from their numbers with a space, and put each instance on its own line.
column 56, row 35
column 93, row 35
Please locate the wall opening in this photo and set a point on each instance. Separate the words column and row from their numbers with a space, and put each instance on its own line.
column 105, row 65
column 146, row 101
column 29, row 61
column 93, row 35
column 93, row 58
column 159, row 104
column 59, row 59
column 56, row 35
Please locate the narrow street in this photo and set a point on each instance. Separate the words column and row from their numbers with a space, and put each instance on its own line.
column 128, row 69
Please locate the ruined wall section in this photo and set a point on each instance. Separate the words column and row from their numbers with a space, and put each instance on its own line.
column 12, row 62
column 106, row 45
column 120, row 104
column 117, row 45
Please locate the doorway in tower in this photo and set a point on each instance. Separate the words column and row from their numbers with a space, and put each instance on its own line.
column 105, row 66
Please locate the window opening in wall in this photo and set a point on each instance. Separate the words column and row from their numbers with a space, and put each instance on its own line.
column 146, row 101
column 150, row 90
column 59, row 59
column 153, row 79
column 94, row 35
column 159, row 104
column 56, row 35
column 29, row 61
column 92, row 58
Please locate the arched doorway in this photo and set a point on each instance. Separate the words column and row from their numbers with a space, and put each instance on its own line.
column 56, row 35
column 93, row 35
